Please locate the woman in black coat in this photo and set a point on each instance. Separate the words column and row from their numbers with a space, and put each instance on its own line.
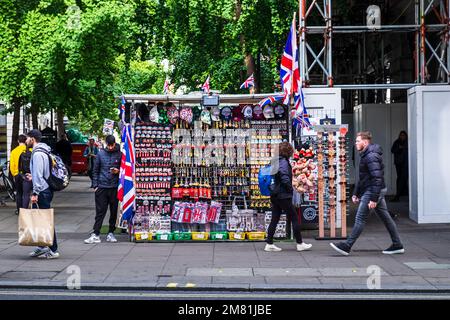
column 281, row 200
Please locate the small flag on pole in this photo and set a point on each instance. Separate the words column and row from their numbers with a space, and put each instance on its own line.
column 250, row 82
column 166, row 86
column 122, row 109
column 270, row 100
column 205, row 86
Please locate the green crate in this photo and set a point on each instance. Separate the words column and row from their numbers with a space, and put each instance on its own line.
column 182, row 236
column 219, row 235
column 164, row 236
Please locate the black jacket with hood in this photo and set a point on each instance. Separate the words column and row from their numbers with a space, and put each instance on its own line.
column 106, row 159
column 371, row 173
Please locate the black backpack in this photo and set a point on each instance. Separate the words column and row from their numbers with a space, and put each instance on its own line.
column 24, row 162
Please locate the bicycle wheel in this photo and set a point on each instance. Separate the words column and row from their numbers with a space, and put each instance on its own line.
column 9, row 187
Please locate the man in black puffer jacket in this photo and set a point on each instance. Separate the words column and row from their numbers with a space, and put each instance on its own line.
column 105, row 181
column 369, row 192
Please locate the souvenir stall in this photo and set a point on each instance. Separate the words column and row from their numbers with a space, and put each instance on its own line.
column 197, row 165
column 196, row 169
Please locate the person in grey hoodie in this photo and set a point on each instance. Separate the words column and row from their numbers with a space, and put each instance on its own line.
column 42, row 194
column 369, row 193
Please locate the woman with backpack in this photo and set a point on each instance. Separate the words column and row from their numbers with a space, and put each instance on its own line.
column 281, row 200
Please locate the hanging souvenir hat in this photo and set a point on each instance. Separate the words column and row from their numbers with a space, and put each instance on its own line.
column 206, row 117
column 226, row 113
column 215, row 113
column 237, row 113
column 258, row 113
column 186, row 114
column 154, row 115
column 247, row 111
column 173, row 114
column 268, row 112
column 279, row 111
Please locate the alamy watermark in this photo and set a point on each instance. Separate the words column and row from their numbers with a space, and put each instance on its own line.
column 374, row 280
column 74, row 280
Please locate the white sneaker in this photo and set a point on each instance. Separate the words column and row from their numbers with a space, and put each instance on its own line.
column 110, row 238
column 303, row 246
column 93, row 239
column 50, row 255
column 39, row 251
column 272, row 248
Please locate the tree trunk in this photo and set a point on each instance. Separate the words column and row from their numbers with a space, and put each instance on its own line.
column 60, row 119
column 17, row 105
column 34, row 115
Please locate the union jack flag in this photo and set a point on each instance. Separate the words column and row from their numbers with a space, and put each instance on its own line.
column 205, row 86
column 289, row 71
column 270, row 100
column 250, row 82
column 166, row 86
column 301, row 114
column 122, row 109
column 126, row 192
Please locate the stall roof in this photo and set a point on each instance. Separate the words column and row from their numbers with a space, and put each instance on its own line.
column 197, row 98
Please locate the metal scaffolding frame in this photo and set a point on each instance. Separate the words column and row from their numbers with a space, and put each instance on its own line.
column 425, row 50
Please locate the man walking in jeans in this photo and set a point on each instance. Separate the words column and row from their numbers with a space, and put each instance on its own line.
column 42, row 194
column 369, row 193
column 105, row 182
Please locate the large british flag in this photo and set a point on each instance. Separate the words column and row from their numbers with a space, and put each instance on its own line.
column 250, row 82
column 126, row 192
column 289, row 71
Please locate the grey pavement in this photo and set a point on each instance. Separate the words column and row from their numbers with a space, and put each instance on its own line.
column 223, row 265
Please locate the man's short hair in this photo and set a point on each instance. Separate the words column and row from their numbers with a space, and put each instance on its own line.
column 110, row 140
column 22, row 138
column 365, row 135
column 36, row 134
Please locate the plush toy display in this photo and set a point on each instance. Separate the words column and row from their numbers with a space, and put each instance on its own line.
column 303, row 177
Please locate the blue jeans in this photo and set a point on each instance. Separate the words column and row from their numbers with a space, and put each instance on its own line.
column 44, row 202
column 381, row 210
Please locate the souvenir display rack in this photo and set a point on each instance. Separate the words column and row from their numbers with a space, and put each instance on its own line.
column 331, row 145
column 181, row 194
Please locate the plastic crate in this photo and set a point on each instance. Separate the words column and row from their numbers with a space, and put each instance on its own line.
column 256, row 235
column 164, row 236
column 182, row 236
column 237, row 235
column 200, row 235
column 219, row 235
column 143, row 236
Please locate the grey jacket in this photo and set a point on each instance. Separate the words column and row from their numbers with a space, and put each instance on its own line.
column 39, row 167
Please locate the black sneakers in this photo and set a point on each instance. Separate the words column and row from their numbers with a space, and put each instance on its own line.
column 341, row 247
column 394, row 250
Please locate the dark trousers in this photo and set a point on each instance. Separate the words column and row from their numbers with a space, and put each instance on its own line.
column 27, row 189
column 44, row 202
column 19, row 191
column 103, row 199
column 90, row 174
column 278, row 207
column 363, row 213
column 402, row 180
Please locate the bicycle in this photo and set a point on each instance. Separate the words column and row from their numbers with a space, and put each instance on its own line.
column 8, row 184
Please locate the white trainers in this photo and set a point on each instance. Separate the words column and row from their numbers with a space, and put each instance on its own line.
column 93, row 239
column 303, row 246
column 50, row 255
column 39, row 251
column 272, row 248
column 110, row 238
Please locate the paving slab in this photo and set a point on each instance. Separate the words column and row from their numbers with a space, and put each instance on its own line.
column 286, row 272
column 220, row 272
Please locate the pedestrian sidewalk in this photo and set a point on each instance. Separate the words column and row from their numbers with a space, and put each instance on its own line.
column 223, row 265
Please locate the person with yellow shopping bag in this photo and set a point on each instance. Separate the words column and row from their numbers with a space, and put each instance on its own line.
column 42, row 193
